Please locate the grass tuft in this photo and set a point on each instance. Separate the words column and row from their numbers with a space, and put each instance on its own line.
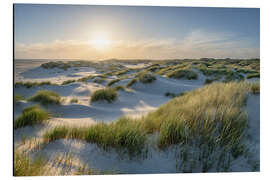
column 32, row 84
column 183, row 73
column 31, row 116
column 253, row 75
column 117, row 88
column 146, row 77
column 110, row 83
column 131, row 82
column 208, row 81
column 46, row 97
column 255, row 88
column 17, row 98
column 74, row 100
column 68, row 82
column 108, row 94
column 23, row 166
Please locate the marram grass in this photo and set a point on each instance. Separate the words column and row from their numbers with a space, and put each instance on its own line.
column 108, row 94
column 124, row 133
column 46, row 97
column 31, row 116
column 207, row 118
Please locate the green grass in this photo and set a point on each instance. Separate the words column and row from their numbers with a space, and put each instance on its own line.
column 208, row 81
column 57, row 64
column 68, row 82
column 84, row 79
column 46, row 97
column 17, row 98
column 33, row 84
column 183, row 73
column 232, row 76
column 117, row 88
column 110, row 83
column 146, row 77
column 74, row 100
column 31, row 116
column 253, row 75
column 174, row 94
column 124, row 133
column 99, row 80
column 108, row 94
column 131, row 82
column 191, row 116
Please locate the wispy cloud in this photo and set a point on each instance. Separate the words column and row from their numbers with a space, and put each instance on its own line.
column 196, row 44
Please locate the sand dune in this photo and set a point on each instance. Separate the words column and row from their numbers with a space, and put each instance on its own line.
column 136, row 101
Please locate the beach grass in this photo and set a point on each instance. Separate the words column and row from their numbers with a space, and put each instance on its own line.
column 183, row 73
column 46, row 97
column 208, row 81
column 195, row 119
column 68, row 82
column 24, row 166
column 253, row 75
column 255, row 88
column 29, row 84
column 110, row 83
column 84, row 79
column 124, row 133
column 17, row 98
column 146, row 77
column 209, row 114
column 74, row 100
column 31, row 116
column 108, row 94
column 131, row 82
column 117, row 88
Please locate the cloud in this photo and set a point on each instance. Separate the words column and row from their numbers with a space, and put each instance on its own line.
column 196, row 44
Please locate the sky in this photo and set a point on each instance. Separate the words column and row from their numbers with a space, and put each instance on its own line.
column 134, row 32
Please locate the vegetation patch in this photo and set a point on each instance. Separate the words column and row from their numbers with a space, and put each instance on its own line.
column 99, row 80
column 233, row 76
column 84, row 79
column 209, row 115
column 183, row 73
column 74, row 100
column 117, row 88
column 254, row 75
column 24, row 166
column 17, row 98
column 110, row 83
column 206, row 119
column 208, row 81
column 124, row 133
column 31, row 116
column 169, row 94
column 255, row 88
column 68, row 82
column 131, row 82
column 46, row 97
column 108, row 94
column 32, row 84
column 146, row 77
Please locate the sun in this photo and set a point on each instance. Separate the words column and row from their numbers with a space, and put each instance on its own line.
column 101, row 42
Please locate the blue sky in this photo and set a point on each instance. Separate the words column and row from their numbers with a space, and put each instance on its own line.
column 100, row 32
